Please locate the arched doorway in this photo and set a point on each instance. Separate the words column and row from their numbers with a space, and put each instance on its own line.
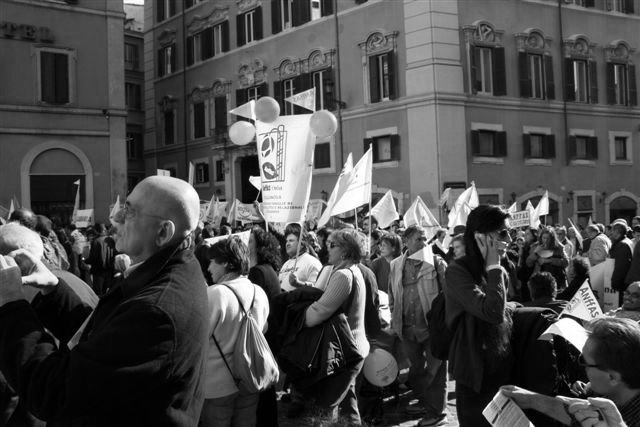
column 52, row 175
column 554, row 210
column 622, row 207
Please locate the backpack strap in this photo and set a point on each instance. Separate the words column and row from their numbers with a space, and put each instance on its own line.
column 224, row 359
column 246, row 312
column 346, row 306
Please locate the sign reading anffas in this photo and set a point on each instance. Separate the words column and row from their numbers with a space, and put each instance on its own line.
column 520, row 219
column 285, row 151
column 583, row 305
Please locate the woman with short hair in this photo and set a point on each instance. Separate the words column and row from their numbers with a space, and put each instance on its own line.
column 229, row 264
column 344, row 291
column 390, row 249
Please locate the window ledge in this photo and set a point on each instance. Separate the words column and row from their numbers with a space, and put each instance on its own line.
column 489, row 160
column 581, row 162
column 201, row 185
column 621, row 163
column 387, row 165
column 538, row 162
column 324, row 171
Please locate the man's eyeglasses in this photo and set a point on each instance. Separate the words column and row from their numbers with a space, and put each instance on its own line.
column 584, row 363
column 129, row 212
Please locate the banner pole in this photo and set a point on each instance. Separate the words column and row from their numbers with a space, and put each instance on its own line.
column 355, row 215
column 299, row 245
column 370, row 218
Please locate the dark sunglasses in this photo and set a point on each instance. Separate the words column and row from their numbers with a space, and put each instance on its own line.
column 332, row 245
column 584, row 364
column 502, row 234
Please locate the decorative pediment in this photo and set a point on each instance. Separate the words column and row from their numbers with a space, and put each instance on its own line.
column 578, row 46
column 217, row 15
column 618, row 51
column 482, row 32
column 378, row 42
column 318, row 60
column 532, row 39
column 221, row 87
column 287, row 69
column 253, row 73
column 246, row 5
column 167, row 37
column 199, row 94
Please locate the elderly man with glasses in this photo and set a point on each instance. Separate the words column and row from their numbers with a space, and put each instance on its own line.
column 138, row 358
column 612, row 397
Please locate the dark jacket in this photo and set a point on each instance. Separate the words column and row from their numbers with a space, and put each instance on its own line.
column 633, row 274
column 308, row 355
column 140, row 358
column 621, row 251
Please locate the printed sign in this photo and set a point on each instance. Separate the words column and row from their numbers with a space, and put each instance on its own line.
column 520, row 219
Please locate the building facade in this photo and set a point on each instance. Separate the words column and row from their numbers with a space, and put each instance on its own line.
column 62, row 116
column 518, row 96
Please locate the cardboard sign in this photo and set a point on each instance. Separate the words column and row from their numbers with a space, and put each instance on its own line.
column 84, row 218
column 520, row 219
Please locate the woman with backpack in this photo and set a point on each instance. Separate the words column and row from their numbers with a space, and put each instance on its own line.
column 230, row 296
column 345, row 290
column 478, row 315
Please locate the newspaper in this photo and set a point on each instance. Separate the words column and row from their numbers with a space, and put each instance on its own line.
column 503, row 412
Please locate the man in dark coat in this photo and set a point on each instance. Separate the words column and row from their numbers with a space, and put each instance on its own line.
column 622, row 252
column 138, row 358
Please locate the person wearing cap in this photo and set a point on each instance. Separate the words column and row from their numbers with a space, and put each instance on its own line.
column 599, row 245
column 621, row 251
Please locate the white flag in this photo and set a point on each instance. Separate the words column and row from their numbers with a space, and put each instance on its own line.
column 247, row 110
column 11, row 209
column 114, row 210
column 358, row 191
column 513, row 208
column 425, row 255
column 419, row 214
column 575, row 230
column 76, row 204
column 444, row 198
column 534, row 221
column 256, row 181
column 285, row 152
column 338, row 190
column 543, row 205
column 306, row 99
column 192, row 172
column 467, row 201
column 583, row 305
column 385, row 210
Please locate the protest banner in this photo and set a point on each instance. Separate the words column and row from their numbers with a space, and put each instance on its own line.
column 247, row 212
column 314, row 211
column 520, row 219
column 600, row 275
column 244, row 236
column 84, row 218
column 569, row 329
column 285, row 153
column 583, row 305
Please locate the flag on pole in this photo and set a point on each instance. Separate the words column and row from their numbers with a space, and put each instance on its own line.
column 306, row 99
column 419, row 214
column 543, row 205
column 466, row 202
column 338, row 190
column 513, row 208
column 444, row 198
column 114, row 210
column 76, row 205
column 575, row 230
column 533, row 221
column 583, row 305
column 230, row 211
column 256, row 181
column 11, row 208
column 192, row 173
column 590, row 222
column 358, row 190
column 385, row 210
column 247, row 110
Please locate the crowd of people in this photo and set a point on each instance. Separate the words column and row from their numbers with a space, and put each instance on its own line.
column 136, row 323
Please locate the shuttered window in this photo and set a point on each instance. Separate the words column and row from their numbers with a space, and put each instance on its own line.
column 54, row 78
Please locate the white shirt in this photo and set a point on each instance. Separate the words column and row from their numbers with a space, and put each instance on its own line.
column 306, row 269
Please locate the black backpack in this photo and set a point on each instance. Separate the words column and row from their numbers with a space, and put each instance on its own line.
column 439, row 334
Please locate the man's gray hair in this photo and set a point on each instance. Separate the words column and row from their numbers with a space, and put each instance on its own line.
column 15, row 236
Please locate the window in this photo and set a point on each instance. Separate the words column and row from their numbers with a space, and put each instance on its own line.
column 165, row 9
column 166, row 60
column 202, row 173
column 536, row 76
column 220, row 114
column 323, row 83
column 293, row 13
column 55, row 76
column 620, row 145
column 191, row 3
column 621, row 84
column 251, row 93
column 221, row 38
column 132, row 180
column 208, row 43
column 488, row 143
column 385, row 148
column 172, row 171
column 622, row 6
column 131, row 56
column 169, row 127
column 583, row 147
column 488, row 70
column 132, row 96
column 583, row 206
column 289, row 87
column 382, row 77
column 322, row 155
column 219, row 170
column 582, row 81
column 134, row 145
column 199, row 112
column 249, row 26
column 538, row 146
column 287, row 91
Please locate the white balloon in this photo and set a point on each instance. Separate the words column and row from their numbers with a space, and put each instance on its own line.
column 380, row 368
column 323, row 124
column 242, row 132
column 267, row 109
